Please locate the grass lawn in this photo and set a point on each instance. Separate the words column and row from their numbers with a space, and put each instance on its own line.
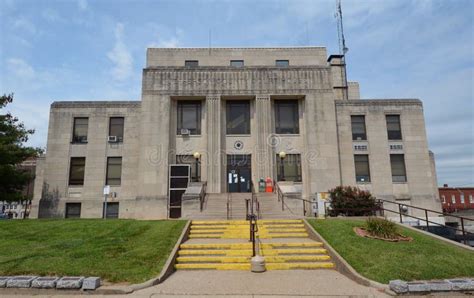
column 116, row 250
column 422, row 259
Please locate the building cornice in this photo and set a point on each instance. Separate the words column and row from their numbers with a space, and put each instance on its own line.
column 380, row 102
column 96, row 104
column 220, row 80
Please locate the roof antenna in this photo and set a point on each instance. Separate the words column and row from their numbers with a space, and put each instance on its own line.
column 342, row 45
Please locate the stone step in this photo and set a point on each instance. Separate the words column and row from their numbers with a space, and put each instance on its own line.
column 246, row 266
column 248, row 252
column 246, row 259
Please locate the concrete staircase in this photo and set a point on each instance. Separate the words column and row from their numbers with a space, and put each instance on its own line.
column 224, row 245
column 270, row 207
column 215, row 207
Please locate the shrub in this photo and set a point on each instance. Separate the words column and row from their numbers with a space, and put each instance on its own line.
column 351, row 201
column 381, row 228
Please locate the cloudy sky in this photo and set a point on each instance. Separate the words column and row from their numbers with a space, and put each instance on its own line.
column 95, row 50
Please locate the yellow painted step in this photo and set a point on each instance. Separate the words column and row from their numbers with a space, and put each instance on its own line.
column 246, row 266
column 287, row 251
column 244, row 259
column 246, row 226
column 248, row 252
column 289, row 266
column 245, row 236
column 221, row 252
column 245, row 222
column 291, row 244
column 217, row 246
column 241, row 231
column 213, row 259
column 215, row 266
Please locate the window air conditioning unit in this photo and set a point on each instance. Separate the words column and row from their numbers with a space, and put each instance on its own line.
column 112, row 139
column 359, row 138
column 185, row 132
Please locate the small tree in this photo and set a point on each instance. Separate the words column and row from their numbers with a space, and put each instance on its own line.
column 351, row 201
column 13, row 135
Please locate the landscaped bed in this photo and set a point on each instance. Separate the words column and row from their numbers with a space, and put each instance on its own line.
column 423, row 258
column 116, row 250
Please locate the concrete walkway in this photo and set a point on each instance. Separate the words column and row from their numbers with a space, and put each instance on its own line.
column 230, row 284
column 289, row 283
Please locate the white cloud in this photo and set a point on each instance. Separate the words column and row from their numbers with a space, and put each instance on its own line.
column 24, row 24
column 172, row 39
column 120, row 56
column 82, row 5
column 51, row 15
column 20, row 68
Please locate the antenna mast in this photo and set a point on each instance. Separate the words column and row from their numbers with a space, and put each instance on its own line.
column 342, row 46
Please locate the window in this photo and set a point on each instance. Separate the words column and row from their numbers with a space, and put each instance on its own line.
column 453, row 199
column 397, row 162
column 190, row 160
column 282, row 63
column 286, row 117
column 76, row 170
column 191, row 63
column 443, row 198
column 114, row 171
column 73, row 210
column 189, row 117
column 462, row 198
column 358, row 128
column 238, row 117
column 394, row 129
column 237, row 63
column 79, row 134
column 471, row 199
column 116, row 127
column 291, row 170
column 112, row 210
column 362, row 169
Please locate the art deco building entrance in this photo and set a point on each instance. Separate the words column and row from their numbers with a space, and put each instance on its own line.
column 239, row 173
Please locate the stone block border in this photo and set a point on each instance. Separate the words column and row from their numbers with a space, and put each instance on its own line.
column 431, row 286
column 50, row 282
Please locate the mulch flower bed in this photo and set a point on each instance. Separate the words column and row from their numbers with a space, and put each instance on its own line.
column 363, row 233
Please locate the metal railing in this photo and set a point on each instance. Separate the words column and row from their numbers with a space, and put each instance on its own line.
column 281, row 198
column 252, row 216
column 229, row 206
column 202, row 195
column 403, row 210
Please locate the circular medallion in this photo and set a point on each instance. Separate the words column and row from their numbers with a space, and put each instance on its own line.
column 238, row 145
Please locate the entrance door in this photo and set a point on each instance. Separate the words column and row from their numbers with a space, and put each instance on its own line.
column 239, row 173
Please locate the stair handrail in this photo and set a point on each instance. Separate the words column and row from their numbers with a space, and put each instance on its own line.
column 202, row 195
column 281, row 197
column 228, row 206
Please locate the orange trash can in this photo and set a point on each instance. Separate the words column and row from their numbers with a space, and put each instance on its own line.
column 268, row 185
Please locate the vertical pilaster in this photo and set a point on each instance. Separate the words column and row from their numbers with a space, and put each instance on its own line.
column 214, row 143
column 264, row 150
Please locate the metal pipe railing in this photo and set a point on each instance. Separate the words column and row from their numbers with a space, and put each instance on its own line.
column 403, row 211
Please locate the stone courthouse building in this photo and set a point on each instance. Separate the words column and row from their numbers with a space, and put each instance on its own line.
column 235, row 115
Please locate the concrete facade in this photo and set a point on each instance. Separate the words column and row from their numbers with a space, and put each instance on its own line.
column 151, row 143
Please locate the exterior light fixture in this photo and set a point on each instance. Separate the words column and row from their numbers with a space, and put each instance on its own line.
column 282, row 156
column 197, row 155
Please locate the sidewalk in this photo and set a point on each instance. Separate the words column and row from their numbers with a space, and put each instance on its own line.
column 233, row 284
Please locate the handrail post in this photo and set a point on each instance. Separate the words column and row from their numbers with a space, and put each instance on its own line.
column 400, row 212
column 463, row 231
column 427, row 223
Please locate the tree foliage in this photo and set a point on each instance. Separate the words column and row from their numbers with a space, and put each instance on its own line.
column 351, row 201
column 13, row 136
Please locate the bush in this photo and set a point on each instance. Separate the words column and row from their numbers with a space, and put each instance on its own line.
column 351, row 201
column 381, row 228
